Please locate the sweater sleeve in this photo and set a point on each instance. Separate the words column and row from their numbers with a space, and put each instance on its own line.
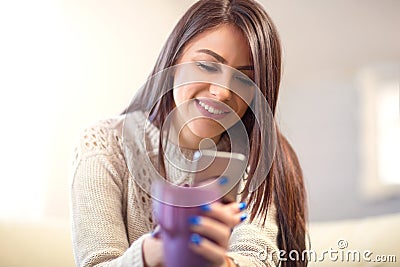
column 254, row 245
column 99, row 232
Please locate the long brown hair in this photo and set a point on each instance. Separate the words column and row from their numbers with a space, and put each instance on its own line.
column 284, row 182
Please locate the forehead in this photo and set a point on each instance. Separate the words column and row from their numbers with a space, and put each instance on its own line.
column 226, row 40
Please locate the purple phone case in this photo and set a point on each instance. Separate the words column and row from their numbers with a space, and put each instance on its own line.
column 174, row 223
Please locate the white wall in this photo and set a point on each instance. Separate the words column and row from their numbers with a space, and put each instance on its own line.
column 326, row 45
column 65, row 64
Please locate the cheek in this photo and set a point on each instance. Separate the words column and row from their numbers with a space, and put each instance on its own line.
column 181, row 95
column 243, row 109
column 178, row 96
column 241, row 106
column 186, row 92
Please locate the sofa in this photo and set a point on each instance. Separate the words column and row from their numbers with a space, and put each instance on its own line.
column 48, row 244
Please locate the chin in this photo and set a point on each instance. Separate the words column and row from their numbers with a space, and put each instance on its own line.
column 205, row 128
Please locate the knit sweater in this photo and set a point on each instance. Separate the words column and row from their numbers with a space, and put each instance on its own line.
column 112, row 214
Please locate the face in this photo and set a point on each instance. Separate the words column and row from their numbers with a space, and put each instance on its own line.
column 219, row 104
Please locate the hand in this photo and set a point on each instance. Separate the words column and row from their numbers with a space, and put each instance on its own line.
column 153, row 255
column 212, row 230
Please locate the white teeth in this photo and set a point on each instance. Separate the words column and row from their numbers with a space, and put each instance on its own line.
column 210, row 109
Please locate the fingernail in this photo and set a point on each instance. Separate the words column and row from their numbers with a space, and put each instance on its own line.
column 223, row 180
column 205, row 207
column 242, row 206
column 195, row 239
column 243, row 217
column 194, row 220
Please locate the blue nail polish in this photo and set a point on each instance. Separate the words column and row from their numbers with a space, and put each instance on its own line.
column 205, row 207
column 194, row 220
column 243, row 217
column 195, row 239
column 223, row 180
column 242, row 206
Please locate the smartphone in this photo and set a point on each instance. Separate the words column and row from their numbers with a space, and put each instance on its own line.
column 225, row 169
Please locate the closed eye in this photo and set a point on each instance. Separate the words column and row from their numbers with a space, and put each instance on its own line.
column 245, row 80
column 209, row 67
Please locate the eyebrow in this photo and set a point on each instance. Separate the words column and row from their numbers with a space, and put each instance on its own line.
column 222, row 60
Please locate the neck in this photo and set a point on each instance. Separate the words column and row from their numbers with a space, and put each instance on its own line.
column 185, row 138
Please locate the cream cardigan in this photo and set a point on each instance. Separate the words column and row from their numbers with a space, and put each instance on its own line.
column 111, row 214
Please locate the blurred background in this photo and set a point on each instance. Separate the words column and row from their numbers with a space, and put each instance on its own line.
column 67, row 64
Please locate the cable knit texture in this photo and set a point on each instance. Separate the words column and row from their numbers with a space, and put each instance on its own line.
column 112, row 214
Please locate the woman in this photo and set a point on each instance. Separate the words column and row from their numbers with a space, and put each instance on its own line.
column 111, row 205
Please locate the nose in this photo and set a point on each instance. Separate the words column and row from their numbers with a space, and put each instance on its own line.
column 220, row 93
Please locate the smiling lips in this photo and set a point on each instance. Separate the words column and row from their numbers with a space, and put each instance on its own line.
column 211, row 109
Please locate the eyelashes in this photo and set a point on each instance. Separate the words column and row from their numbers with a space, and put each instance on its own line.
column 245, row 80
column 213, row 68
column 208, row 67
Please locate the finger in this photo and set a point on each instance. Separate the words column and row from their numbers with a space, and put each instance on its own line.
column 233, row 207
column 153, row 253
column 211, row 229
column 236, row 207
column 229, row 214
column 207, row 249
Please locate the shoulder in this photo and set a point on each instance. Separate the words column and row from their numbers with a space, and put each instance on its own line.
column 101, row 140
column 102, row 152
column 105, row 136
column 97, row 154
